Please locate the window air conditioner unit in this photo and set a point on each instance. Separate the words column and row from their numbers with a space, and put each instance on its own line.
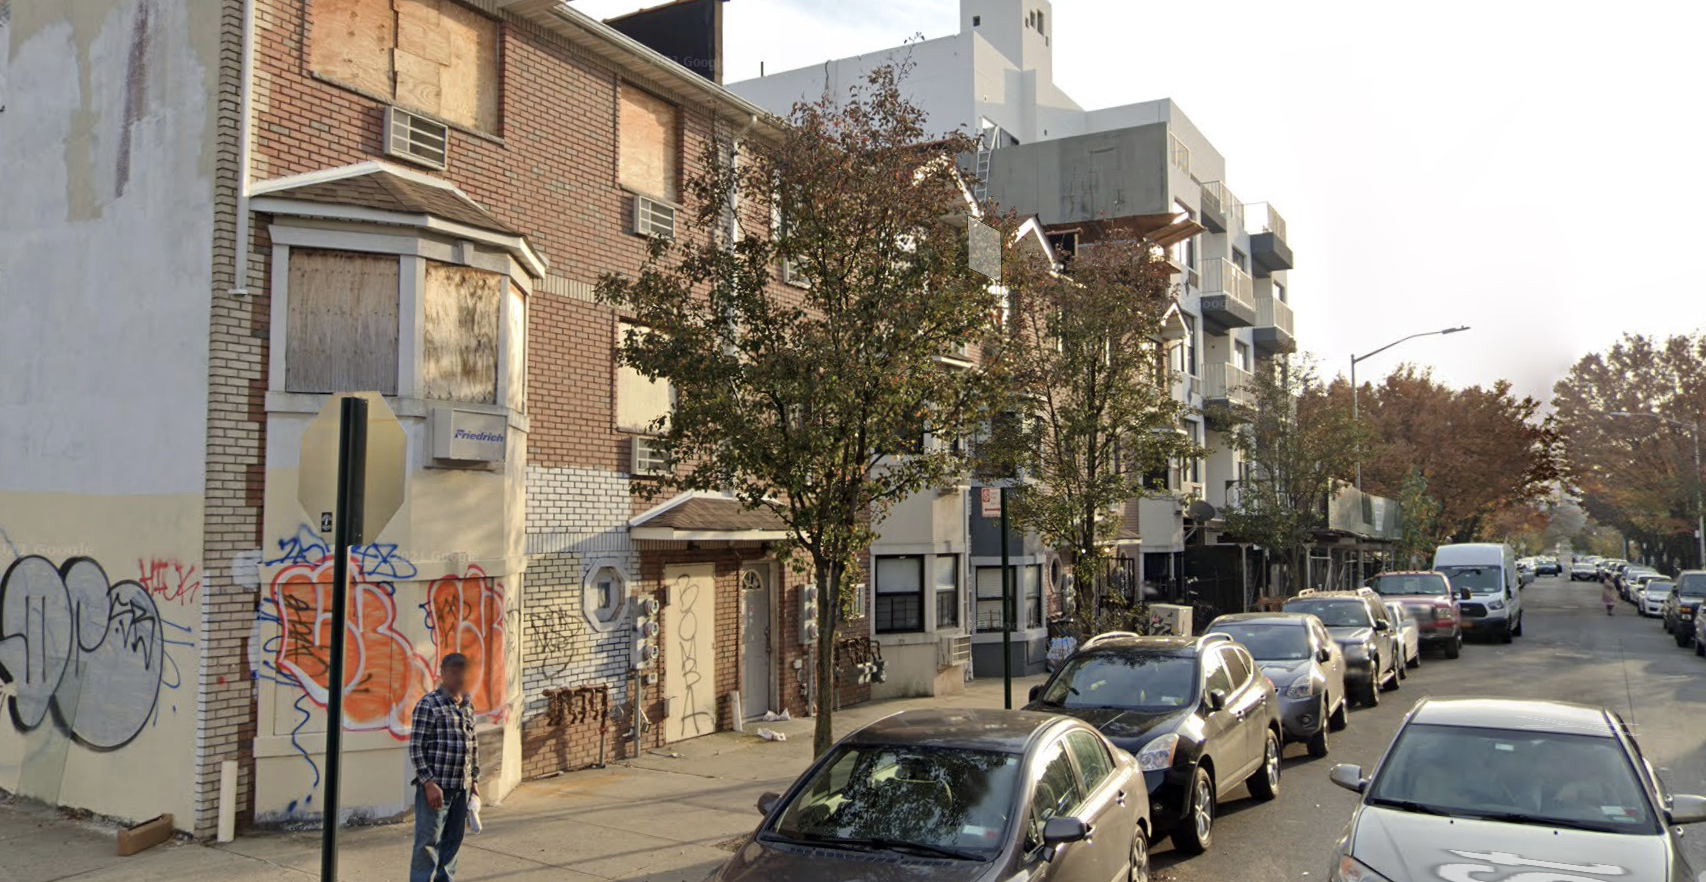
column 792, row 275
column 653, row 218
column 648, row 457
column 953, row 649
column 414, row 138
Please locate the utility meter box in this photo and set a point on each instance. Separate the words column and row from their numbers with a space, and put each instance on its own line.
column 1169, row 618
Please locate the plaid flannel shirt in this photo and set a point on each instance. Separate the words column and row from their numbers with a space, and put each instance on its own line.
column 441, row 743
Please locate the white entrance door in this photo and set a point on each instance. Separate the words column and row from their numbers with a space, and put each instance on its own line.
column 689, row 651
column 757, row 677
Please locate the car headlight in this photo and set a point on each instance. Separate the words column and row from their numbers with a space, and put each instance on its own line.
column 1305, row 687
column 1157, row 755
column 1352, row 870
column 1442, row 614
column 1495, row 604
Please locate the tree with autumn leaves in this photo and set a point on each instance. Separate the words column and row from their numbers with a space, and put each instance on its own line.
column 1636, row 474
column 828, row 400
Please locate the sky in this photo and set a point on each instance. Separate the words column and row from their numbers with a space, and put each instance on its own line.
column 1524, row 167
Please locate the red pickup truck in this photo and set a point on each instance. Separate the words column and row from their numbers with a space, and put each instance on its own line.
column 1428, row 599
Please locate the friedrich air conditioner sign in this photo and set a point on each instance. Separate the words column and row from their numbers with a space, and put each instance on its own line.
column 468, row 436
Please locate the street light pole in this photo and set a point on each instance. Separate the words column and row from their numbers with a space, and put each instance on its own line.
column 1693, row 427
column 1356, row 412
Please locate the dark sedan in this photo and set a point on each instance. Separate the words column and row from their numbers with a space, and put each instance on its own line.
column 1194, row 711
column 956, row 796
column 1359, row 622
column 1683, row 605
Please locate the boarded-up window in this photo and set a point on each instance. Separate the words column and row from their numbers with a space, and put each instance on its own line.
column 341, row 328
column 435, row 56
column 515, row 368
column 459, row 345
column 640, row 401
column 647, row 127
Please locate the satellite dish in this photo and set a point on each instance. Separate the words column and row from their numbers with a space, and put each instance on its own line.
column 1200, row 511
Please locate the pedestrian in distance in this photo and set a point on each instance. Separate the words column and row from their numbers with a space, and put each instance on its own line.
column 1608, row 595
column 446, row 761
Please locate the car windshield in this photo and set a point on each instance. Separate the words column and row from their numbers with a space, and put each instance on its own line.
column 1137, row 680
column 934, row 797
column 1692, row 585
column 1519, row 776
column 1479, row 580
column 1411, row 585
column 1269, row 641
column 1334, row 613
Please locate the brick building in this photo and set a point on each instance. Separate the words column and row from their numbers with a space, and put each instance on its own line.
column 306, row 197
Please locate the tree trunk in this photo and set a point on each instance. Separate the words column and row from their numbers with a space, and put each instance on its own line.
column 828, row 578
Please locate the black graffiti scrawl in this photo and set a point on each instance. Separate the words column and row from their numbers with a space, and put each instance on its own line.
column 85, row 651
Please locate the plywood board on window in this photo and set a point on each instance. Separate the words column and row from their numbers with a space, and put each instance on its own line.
column 516, row 366
column 352, row 42
column 647, row 129
column 459, row 343
column 640, row 400
column 341, row 327
column 471, row 79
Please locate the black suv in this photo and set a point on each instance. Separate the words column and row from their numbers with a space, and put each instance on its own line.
column 1358, row 620
column 1683, row 605
column 1195, row 711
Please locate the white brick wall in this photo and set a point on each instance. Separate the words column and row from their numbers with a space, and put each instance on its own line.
column 576, row 518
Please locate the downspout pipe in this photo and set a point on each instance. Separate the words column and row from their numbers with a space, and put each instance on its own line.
column 245, row 153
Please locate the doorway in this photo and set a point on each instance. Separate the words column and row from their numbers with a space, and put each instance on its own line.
column 758, row 642
column 689, row 651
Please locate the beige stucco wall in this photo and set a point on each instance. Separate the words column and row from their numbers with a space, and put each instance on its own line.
column 444, row 575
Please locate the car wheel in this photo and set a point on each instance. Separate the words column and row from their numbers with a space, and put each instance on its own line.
column 1195, row 832
column 1509, row 635
column 1341, row 717
column 1403, row 670
column 1455, row 647
column 1683, row 638
column 1139, row 870
column 1396, row 679
column 1517, row 631
column 1370, row 694
column 1265, row 783
column 1318, row 741
column 1699, row 648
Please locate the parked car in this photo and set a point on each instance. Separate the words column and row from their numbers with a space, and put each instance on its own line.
column 976, row 795
column 1502, row 788
column 1194, row 712
column 1360, row 624
column 1428, row 599
column 1488, row 571
column 1582, row 571
column 1635, row 578
column 1683, row 606
column 1548, row 566
column 1409, row 635
column 1654, row 593
column 1525, row 573
column 1306, row 666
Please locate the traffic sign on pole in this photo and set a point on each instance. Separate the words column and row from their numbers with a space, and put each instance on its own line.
column 385, row 468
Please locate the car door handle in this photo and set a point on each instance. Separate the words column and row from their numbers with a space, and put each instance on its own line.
column 1119, row 799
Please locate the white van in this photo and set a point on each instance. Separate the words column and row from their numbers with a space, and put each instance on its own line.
column 1490, row 589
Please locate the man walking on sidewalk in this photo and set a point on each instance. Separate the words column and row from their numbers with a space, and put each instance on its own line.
column 447, row 772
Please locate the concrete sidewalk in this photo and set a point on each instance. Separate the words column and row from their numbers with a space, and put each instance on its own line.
column 671, row 815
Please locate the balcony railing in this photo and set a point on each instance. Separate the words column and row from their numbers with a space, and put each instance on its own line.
column 1228, row 383
column 1218, row 199
column 1178, row 153
column 1222, row 277
column 1272, row 222
column 1272, row 312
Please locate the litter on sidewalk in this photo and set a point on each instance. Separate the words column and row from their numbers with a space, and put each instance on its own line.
column 769, row 735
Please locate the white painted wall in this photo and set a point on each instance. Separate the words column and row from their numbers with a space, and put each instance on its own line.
column 940, row 83
column 106, row 227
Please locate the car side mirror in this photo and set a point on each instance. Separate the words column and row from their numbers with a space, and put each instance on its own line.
column 1349, row 777
column 1036, row 692
column 1324, row 654
column 1217, row 699
column 1686, row 809
column 1061, row 830
column 1464, row 594
column 1382, row 625
column 767, row 803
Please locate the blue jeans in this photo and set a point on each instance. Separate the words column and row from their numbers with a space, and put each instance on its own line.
column 438, row 836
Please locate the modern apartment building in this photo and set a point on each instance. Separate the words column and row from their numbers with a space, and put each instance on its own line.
column 1142, row 168
column 221, row 213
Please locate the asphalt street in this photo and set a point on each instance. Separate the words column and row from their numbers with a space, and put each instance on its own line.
column 1571, row 651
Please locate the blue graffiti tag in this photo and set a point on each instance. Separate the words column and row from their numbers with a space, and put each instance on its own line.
column 381, row 561
column 304, row 547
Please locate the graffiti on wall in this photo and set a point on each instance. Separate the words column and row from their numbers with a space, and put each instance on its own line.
column 384, row 674
column 91, row 654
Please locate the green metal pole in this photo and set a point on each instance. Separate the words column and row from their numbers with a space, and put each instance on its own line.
column 1007, row 614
